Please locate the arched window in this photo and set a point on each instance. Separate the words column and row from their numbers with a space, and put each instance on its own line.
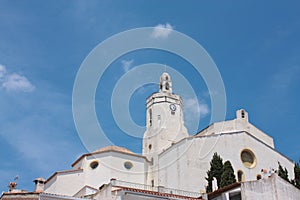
column 241, row 176
column 150, row 117
column 167, row 86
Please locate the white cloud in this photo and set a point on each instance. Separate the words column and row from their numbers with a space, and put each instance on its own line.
column 192, row 106
column 14, row 81
column 2, row 71
column 126, row 64
column 162, row 31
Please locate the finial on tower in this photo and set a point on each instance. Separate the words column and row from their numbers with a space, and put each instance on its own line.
column 165, row 84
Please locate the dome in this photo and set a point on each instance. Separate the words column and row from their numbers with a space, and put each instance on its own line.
column 113, row 148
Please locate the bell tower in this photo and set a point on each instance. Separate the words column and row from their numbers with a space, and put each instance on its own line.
column 165, row 123
column 165, row 84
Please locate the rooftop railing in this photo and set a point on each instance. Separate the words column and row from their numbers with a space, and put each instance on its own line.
column 161, row 189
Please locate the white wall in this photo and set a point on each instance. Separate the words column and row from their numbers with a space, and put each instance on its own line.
column 189, row 160
column 236, row 125
column 273, row 188
column 67, row 183
column 111, row 165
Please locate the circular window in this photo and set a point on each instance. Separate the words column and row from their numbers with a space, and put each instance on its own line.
column 248, row 158
column 128, row 165
column 94, row 164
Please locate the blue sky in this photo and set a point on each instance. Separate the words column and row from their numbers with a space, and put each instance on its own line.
column 255, row 45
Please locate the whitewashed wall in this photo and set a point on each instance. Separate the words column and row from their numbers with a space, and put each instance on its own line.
column 111, row 165
column 185, row 164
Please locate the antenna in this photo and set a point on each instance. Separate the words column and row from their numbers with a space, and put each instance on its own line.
column 165, row 68
column 13, row 185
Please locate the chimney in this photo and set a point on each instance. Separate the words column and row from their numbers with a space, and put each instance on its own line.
column 12, row 186
column 39, row 184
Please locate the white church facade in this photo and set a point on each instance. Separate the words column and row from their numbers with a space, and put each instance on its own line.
column 171, row 158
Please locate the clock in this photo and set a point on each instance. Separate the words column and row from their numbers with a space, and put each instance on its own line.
column 173, row 107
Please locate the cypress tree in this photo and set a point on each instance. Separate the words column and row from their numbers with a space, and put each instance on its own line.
column 283, row 173
column 216, row 170
column 209, row 179
column 297, row 175
column 228, row 176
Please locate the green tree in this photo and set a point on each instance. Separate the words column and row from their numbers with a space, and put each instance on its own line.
column 216, row 170
column 297, row 175
column 228, row 176
column 283, row 173
column 209, row 179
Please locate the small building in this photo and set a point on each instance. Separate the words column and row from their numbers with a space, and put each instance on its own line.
column 272, row 187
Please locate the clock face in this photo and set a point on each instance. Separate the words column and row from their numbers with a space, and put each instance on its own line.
column 173, row 107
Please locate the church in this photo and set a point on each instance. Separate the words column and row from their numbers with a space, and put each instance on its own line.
column 172, row 160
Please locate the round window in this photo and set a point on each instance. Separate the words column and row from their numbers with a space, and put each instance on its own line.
column 248, row 158
column 128, row 165
column 94, row 164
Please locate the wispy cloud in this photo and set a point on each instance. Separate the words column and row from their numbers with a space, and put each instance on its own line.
column 162, row 31
column 194, row 111
column 193, row 106
column 14, row 81
column 126, row 64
